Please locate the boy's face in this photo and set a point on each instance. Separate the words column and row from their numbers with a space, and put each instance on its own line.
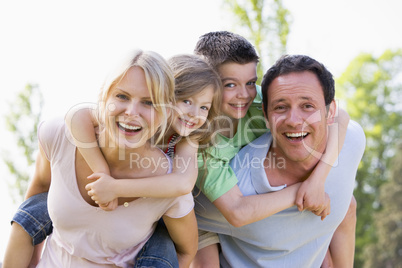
column 239, row 89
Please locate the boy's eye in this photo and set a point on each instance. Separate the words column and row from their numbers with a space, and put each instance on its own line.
column 122, row 96
column 251, row 83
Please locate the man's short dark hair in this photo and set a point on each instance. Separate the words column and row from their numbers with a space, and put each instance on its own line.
column 299, row 63
column 222, row 47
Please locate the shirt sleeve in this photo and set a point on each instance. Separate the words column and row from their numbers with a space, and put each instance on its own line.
column 217, row 178
column 49, row 133
column 181, row 206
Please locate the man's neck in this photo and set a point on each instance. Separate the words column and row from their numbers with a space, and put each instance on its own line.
column 280, row 171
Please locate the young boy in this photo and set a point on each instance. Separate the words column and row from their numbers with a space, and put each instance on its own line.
column 236, row 60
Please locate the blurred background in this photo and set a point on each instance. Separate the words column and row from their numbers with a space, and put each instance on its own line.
column 55, row 54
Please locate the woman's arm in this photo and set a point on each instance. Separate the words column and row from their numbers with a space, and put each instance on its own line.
column 180, row 182
column 81, row 122
column 184, row 233
column 42, row 176
column 311, row 195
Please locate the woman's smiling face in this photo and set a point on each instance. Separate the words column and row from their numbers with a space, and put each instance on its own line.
column 131, row 119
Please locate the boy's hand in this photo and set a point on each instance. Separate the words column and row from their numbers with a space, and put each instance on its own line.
column 101, row 190
column 311, row 196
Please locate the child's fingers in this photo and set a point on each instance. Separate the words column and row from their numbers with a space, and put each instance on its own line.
column 94, row 176
column 300, row 202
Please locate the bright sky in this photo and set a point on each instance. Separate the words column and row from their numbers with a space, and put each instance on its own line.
column 67, row 47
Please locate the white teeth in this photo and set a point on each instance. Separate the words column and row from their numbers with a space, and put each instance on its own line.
column 187, row 123
column 129, row 127
column 239, row 105
column 296, row 135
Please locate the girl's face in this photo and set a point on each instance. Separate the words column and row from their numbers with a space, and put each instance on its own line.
column 131, row 119
column 239, row 89
column 191, row 113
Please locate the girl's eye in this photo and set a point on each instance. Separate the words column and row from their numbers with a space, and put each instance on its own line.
column 149, row 103
column 205, row 108
column 231, row 85
column 187, row 102
column 122, row 96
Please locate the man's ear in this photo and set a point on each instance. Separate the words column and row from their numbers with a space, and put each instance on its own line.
column 332, row 112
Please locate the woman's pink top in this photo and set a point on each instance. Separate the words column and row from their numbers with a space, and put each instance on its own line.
column 87, row 236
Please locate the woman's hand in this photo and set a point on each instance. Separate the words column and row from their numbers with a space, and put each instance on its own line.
column 101, row 191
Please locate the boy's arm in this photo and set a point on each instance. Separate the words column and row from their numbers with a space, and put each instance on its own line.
column 81, row 121
column 240, row 210
column 311, row 195
column 186, row 242
column 180, row 182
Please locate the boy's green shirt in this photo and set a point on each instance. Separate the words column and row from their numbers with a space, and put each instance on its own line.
column 220, row 177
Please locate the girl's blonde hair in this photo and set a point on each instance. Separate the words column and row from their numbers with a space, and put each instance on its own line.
column 160, row 83
column 192, row 75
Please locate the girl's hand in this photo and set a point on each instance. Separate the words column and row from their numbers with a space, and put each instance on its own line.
column 112, row 205
column 101, row 190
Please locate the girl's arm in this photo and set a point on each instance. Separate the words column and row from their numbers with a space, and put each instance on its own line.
column 186, row 242
column 81, row 121
column 180, row 182
column 311, row 194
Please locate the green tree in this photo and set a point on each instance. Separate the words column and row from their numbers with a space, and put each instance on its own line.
column 387, row 252
column 372, row 87
column 22, row 121
column 267, row 29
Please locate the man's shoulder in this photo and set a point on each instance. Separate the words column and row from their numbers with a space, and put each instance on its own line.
column 355, row 137
column 259, row 143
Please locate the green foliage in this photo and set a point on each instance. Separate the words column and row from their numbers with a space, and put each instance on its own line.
column 267, row 29
column 372, row 87
column 388, row 221
column 22, row 121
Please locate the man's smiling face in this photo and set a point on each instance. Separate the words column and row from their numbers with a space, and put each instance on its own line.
column 297, row 116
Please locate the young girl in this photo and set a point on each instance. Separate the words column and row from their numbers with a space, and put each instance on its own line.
column 198, row 96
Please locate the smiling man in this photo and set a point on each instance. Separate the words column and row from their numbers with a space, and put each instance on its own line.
column 298, row 100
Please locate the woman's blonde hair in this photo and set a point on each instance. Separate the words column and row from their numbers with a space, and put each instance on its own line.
column 160, row 83
column 192, row 75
